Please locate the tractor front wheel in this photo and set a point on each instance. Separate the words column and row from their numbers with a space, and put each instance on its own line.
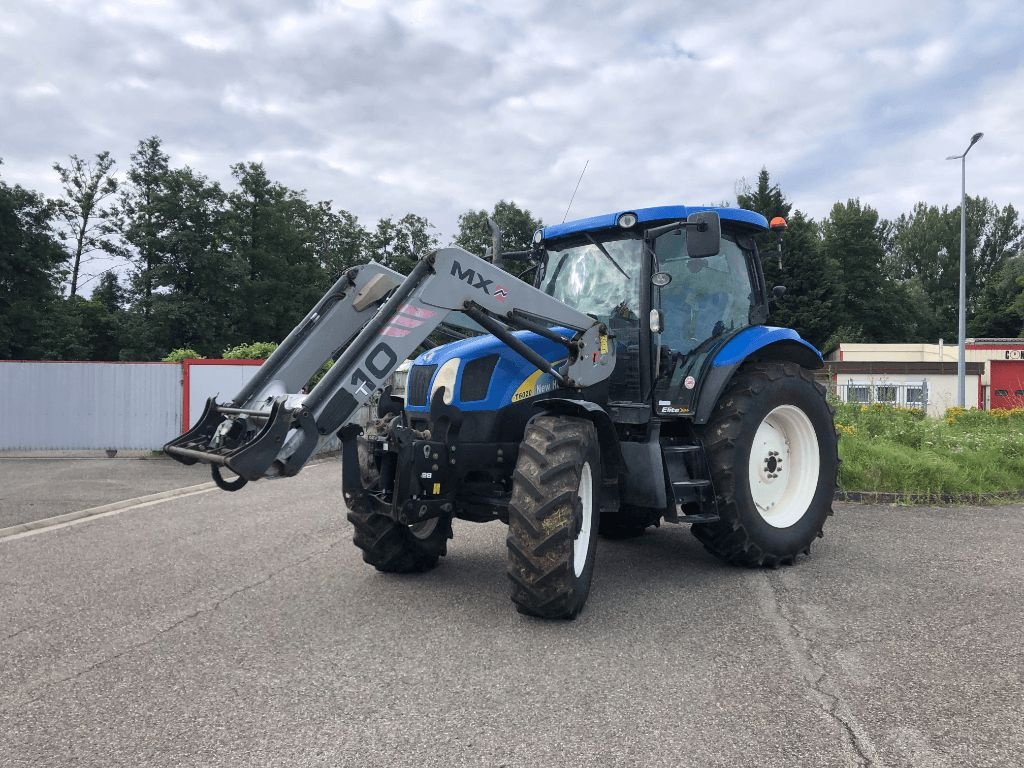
column 394, row 548
column 773, row 455
column 553, row 516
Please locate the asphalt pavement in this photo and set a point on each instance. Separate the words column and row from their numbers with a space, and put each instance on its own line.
column 243, row 629
column 36, row 488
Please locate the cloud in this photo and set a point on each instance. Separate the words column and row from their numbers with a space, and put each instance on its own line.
column 439, row 106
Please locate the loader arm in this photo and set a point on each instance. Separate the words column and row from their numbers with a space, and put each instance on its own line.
column 371, row 320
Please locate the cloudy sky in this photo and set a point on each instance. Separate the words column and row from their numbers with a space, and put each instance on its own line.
column 439, row 106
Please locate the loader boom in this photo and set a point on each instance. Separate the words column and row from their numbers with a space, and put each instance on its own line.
column 371, row 320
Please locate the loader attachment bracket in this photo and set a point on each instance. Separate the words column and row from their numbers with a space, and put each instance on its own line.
column 243, row 445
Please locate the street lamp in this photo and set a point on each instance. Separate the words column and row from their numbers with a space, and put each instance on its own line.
column 961, row 360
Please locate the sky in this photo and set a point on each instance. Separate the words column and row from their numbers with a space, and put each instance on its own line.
column 436, row 107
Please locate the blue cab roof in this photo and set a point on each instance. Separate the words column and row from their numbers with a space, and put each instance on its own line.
column 662, row 212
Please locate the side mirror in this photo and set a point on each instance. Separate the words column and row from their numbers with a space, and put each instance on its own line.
column 703, row 234
column 778, row 292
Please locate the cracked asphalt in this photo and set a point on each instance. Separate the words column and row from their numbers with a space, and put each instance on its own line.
column 243, row 629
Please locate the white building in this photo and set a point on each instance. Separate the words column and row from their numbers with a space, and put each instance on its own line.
column 924, row 375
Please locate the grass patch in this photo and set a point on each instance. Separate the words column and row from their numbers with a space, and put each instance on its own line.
column 902, row 451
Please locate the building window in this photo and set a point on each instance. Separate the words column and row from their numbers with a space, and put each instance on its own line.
column 915, row 396
column 885, row 393
column 901, row 394
column 858, row 393
column 1018, row 393
column 1002, row 393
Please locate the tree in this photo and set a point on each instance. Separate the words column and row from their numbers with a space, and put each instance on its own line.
column 195, row 280
column 809, row 305
column 1000, row 308
column 85, row 220
column 338, row 241
column 766, row 198
column 924, row 250
column 398, row 244
column 517, row 228
column 796, row 262
column 110, row 293
column 30, row 273
column 137, row 218
column 269, row 229
column 871, row 304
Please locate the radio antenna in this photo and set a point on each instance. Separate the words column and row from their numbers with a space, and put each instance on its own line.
column 575, row 190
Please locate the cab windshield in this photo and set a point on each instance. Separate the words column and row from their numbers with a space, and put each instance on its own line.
column 600, row 274
column 597, row 275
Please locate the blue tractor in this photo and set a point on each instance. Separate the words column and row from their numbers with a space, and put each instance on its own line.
column 634, row 381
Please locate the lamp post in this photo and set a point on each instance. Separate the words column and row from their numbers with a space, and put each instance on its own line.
column 961, row 360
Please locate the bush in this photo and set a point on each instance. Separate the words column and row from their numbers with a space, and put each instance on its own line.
column 257, row 350
column 899, row 450
column 182, row 353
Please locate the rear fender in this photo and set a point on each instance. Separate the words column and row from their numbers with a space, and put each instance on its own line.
column 757, row 344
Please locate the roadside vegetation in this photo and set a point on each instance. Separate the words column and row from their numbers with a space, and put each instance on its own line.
column 965, row 454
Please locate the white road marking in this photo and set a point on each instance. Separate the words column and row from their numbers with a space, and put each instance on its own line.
column 94, row 513
column 24, row 530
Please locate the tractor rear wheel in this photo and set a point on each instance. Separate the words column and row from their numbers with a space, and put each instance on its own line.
column 553, row 516
column 773, row 455
column 395, row 548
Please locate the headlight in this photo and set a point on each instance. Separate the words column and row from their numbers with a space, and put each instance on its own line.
column 627, row 220
column 446, row 378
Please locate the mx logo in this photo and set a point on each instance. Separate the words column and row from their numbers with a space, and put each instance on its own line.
column 471, row 277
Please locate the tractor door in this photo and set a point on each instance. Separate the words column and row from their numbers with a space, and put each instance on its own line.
column 707, row 301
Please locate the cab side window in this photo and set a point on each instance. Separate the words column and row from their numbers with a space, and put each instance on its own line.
column 707, row 297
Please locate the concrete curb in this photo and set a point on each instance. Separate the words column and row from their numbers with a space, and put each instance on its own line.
column 68, row 517
column 886, row 497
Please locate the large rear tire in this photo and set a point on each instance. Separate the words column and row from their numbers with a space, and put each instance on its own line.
column 553, row 516
column 773, row 454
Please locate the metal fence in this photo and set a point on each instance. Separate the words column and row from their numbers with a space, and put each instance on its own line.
column 74, row 406
column 901, row 394
column 88, row 406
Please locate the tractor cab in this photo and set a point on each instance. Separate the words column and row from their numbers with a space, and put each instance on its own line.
column 672, row 284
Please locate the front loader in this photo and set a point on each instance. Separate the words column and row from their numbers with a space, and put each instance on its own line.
column 633, row 383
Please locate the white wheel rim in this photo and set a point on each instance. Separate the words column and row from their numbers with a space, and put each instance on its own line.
column 425, row 529
column 581, row 544
column 784, row 466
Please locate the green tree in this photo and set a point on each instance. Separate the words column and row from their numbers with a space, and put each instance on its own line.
column 809, row 305
column 269, row 228
column 338, row 241
column 517, row 228
column 795, row 262
column 30, row 273
column 766, row 198
column 110, row 293
column 195, row 280
column 870, row 303
column 398, row 244
column 924, row 250
column 82, row 329
column 83, row 214
column 1000, row 308
column 137, row 218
